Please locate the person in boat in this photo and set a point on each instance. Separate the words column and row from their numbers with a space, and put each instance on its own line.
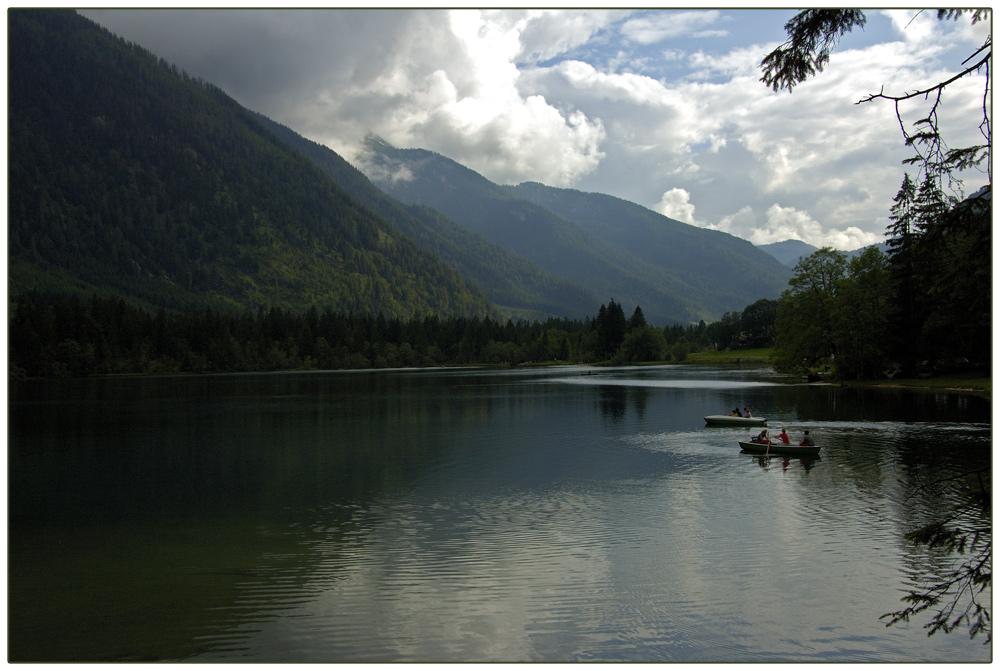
column 807, row 440
column 746, row 412
column 736, row 412
column 761, row 437
column 783, row 436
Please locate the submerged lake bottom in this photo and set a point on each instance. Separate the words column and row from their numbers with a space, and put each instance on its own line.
column 565, row 514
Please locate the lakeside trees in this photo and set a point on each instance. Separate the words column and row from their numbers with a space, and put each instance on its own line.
column 835, row 314
column 60, row 335
column 924, row 306
column 803, row 325
column 750, row 328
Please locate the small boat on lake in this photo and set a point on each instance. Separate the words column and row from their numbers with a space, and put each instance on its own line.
column 732, row 420
column 791, row 449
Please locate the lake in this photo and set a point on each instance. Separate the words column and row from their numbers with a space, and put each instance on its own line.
column 546, row 515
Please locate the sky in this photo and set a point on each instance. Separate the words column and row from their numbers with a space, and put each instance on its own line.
column 664, row 108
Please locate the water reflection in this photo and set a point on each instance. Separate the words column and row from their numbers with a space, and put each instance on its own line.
column 785, row 462
column 614, row 401
column 527, row 515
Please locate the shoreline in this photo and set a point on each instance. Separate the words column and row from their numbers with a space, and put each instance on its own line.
column 950, row 383
column 954, row 382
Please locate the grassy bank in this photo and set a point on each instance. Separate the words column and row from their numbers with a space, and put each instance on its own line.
column 965, row 382
column 969, row 382
column 756, row 357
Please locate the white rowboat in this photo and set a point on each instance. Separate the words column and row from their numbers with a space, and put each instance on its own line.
column 730, row 420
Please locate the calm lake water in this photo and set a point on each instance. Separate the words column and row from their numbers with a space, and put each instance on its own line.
column 561, row 514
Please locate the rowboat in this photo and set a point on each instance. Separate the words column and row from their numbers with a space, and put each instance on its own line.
column 730, row 420
column 780, row 448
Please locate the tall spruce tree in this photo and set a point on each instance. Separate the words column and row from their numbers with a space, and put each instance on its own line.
column 611, row 327
column 901, row 239
column 637, row 320
column 930, row 205
column 902, row 227
column 955, row 251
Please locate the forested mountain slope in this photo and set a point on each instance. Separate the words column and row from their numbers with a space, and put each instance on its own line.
column 532, row 232
column 725, row 272
column 518, row 287
column 607, row 251
column 128, row 177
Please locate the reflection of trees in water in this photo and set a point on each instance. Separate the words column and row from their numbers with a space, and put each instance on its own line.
column 819, row 402
column 614, row 401
column 944, row 499
column 926, row 454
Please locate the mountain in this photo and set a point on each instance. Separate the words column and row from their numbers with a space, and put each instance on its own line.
column 532, row 232
column 789, row 251
column 128, row 177
column 686, row 274
column 722, row 271
column 517, row 287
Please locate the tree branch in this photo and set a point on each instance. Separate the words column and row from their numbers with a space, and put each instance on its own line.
column 813, row 33
column 984, row 62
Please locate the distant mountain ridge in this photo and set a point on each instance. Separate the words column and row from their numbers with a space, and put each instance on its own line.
column 681, row 275
column 789, row 252
column 721, row 269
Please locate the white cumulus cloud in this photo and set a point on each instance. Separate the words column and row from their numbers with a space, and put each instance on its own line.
column 787, row 223
column 676, row 204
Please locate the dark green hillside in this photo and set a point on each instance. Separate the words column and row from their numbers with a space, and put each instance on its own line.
column 128, row 177
column 544, row 238
column 517, row 287
column 726, row 272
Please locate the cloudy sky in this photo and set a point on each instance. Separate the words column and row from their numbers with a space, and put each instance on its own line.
column 660, row 107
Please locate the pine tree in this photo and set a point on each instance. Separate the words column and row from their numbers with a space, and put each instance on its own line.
column 902, row 234
column 956, row 266
column 930, row 205
column 902, row 229
column 934, row 255
column 615, row 327
column 611, row 327
column 637, row 320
